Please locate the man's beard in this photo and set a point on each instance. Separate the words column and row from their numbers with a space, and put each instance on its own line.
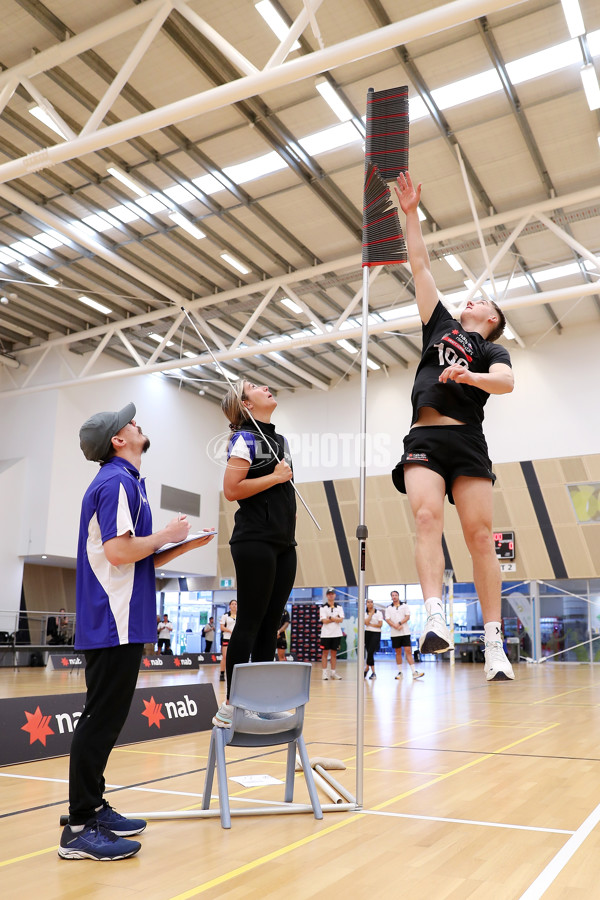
column 146, row 445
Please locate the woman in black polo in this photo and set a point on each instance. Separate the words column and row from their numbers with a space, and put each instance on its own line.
column 263, row 546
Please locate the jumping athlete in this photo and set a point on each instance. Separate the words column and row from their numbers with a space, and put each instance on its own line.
column 263, row 546
column 445, row 451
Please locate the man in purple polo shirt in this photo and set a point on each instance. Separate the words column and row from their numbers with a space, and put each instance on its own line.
column 116, row 606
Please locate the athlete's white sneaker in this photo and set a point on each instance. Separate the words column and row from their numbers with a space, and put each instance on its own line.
column 399, row 676
column 437, row 637
column 325, row 675
column 417, row 674
column 497, row 666
column 334, row 676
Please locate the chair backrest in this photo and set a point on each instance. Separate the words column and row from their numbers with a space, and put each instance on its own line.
column 270, row 686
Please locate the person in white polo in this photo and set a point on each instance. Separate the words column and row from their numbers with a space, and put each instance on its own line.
column 397, row 616
column 331, row 616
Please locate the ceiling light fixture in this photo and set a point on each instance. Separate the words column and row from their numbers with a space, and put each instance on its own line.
column 235, row 263
column 291, row 305
column 333, row 99
column 573, row 16
column 187, row 225
column 127, row 180
column 99, row 307
column 591, row 86
column 46, row 119
column 274, row 21
column 347, row 346
column 37, row 273
column 371, row 364
column 159, row 338
column 453, row 262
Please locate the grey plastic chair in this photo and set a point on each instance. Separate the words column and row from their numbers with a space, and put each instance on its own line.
column 265, row 688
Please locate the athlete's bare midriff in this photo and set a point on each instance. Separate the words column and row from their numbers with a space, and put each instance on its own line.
column 430, row 416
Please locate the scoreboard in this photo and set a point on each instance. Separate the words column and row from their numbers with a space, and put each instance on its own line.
column 504, row 544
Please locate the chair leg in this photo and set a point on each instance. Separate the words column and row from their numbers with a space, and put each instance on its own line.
column 290, row 772
column 310, row 781
column 210, row 771
column 222, row 777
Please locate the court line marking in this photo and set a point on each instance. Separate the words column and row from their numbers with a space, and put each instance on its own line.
column 562, row 694
column 282, row 851
column 375, row 812
column 549, row 874
column 227, row 876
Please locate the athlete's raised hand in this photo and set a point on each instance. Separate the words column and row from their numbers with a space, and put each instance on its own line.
column 408, row 195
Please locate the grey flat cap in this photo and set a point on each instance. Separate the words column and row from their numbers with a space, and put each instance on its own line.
column 96, row 433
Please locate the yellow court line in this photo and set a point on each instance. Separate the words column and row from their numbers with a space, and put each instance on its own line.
column 269, row 857
column 563, row 694
column 462, row 768
column 418, row 737
column 15, row 859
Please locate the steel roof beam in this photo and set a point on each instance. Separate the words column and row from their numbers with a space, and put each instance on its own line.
column 361, row 46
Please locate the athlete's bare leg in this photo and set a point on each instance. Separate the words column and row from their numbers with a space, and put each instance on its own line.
column 426, row 490
column 474, row 505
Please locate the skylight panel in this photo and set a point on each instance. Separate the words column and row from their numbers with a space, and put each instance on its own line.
column 467, row 89
column 24, row 249
column 330, row 139
column 552, row 59
column 556, row 272
column 400, row 312
column 124, row 213
column 51, row 239
column 178, row 194
column 208, row 184
column 6, row 259
column 255, row 168
column 151, row 204
column 97, row 222
column 417, row 109
column 593, row 39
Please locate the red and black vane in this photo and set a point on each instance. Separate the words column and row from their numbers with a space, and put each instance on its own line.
column 383, row 241
column 386, row 155
column 386, row 144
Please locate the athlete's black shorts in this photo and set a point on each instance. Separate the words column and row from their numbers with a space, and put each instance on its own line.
column 401, row 640
column 281, row 643
column 332, row 643
column 449, row 450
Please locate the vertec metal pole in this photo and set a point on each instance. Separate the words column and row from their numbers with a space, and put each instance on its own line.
column 362, row 534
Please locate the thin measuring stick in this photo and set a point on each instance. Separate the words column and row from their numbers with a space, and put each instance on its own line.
column 257, row 426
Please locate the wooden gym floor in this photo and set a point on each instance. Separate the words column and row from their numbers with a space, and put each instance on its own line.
column 471, row 791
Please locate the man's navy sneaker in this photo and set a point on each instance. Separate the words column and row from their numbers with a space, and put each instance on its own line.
column 95, row 842
column 118, row 824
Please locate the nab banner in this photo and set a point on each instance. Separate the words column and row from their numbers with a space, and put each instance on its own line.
column 65, row 661
column 187, row 661
column 43, row 726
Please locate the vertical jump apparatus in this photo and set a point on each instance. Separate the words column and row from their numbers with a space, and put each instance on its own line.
column 386, row 155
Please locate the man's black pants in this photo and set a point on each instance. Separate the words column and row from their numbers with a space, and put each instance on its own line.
column 111, row 676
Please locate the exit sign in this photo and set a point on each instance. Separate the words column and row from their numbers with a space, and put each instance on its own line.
column 226, row 582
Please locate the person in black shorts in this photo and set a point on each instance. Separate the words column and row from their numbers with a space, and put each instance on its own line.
column 445, row 451
column 281, row 638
